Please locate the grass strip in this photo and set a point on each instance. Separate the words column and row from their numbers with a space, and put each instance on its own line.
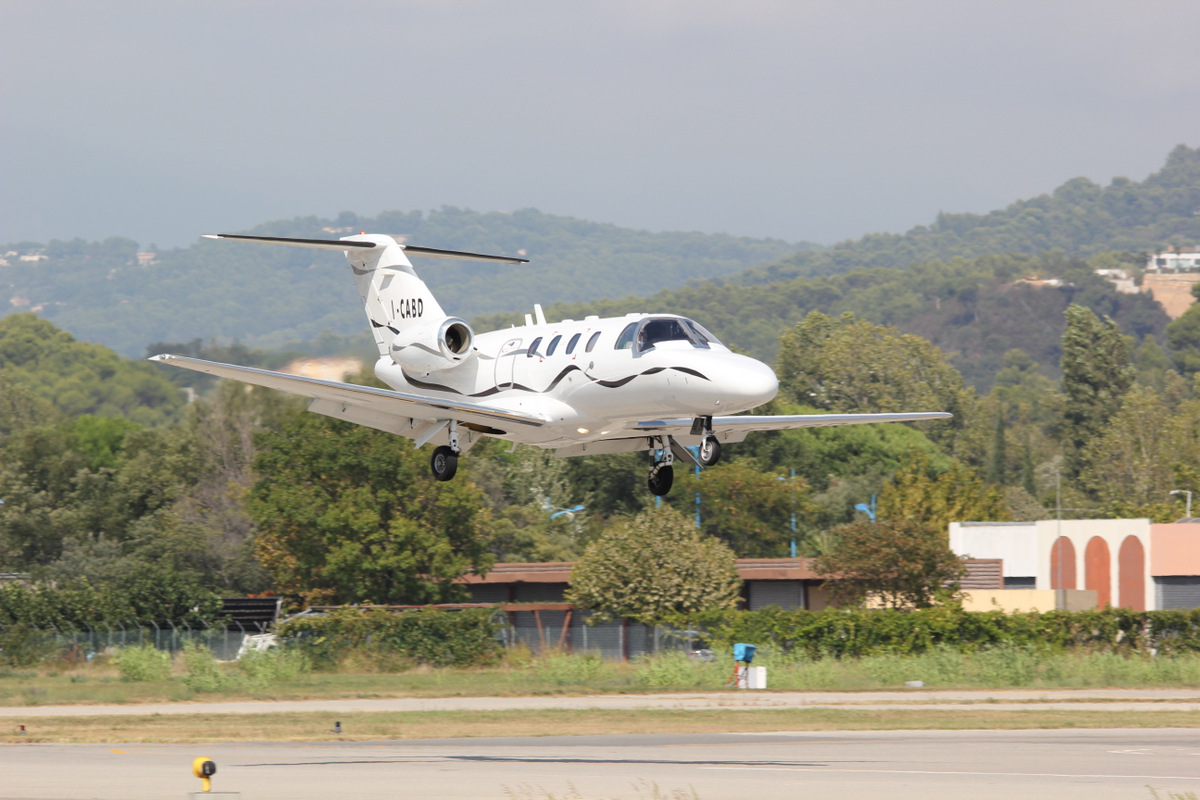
column 362, row 726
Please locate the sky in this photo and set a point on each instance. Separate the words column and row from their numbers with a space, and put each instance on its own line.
column 802, row 120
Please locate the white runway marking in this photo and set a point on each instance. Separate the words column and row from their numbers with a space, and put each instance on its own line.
column 953, row 772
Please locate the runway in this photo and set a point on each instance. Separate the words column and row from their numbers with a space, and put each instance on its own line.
column 898, row 765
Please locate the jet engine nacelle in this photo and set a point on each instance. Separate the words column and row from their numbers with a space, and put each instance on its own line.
column 433, row 345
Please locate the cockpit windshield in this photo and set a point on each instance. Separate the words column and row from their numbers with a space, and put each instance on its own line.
column 655, row 330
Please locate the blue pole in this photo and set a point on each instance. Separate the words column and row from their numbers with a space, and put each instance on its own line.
column 793, row 512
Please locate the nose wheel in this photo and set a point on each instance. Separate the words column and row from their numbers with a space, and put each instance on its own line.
column 710, row 451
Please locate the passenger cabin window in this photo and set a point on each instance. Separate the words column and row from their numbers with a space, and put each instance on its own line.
column 592, row 341
column 533, row 347
column 571, row 344
column 625, row 340
column 553, row 344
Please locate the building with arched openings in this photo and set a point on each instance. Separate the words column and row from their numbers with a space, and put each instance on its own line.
column 1128, row 563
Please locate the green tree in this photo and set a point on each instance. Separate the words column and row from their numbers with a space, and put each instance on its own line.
column 901, row 563
column 653, row 567
column 349, row 514
column 1138, row 457
column 1096, row 375
column 917, row 493
column 852, row 365
column 748, row 510
column 1183, row 339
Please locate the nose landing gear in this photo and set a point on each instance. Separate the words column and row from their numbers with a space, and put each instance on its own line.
column 710, row 449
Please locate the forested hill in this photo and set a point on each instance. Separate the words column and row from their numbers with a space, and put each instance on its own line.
column 1078, row 218
column 975, row 310
column 267, row 296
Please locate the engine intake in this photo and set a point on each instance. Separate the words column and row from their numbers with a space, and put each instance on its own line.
column 433, row 345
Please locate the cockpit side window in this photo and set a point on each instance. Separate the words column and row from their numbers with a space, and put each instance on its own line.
column 661, row 330
column 702, row 336
column 625, row 340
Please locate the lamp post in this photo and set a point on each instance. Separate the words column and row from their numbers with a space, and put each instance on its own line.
column 1187, row 513
column 793, row 483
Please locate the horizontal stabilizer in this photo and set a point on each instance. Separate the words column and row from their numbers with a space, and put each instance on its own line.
column 352, row 244
column 318, row 244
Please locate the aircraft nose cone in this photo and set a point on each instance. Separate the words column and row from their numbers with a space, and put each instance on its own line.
column 752, row 383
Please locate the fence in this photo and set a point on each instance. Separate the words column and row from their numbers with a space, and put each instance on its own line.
column 223, row 640
column 543, row 628
column 558, row 627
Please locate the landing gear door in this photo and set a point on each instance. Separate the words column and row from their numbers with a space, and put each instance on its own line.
column 505, row 360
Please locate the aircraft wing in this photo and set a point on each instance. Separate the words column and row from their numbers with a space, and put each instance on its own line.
column 379, row 408
column 745, row 424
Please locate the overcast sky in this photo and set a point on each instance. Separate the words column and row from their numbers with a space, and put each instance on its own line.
column 802, row 120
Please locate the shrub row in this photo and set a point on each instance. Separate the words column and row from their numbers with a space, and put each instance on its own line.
column 862, row 632
column 149, row 597
column 426, row 636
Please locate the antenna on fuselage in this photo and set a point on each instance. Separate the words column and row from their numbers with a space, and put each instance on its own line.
column 538, row 314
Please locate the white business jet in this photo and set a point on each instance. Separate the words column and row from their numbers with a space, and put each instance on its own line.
column 655, row 382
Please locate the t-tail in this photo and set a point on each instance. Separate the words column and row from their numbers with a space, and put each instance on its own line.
column 407, row 321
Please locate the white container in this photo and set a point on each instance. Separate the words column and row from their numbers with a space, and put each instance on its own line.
column 757, row 679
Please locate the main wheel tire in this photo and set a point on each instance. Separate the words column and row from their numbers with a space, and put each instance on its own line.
column 710, row 451
column 661, row 478
column 444, row 463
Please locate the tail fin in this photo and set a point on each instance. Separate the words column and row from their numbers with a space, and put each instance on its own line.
column 393, row 296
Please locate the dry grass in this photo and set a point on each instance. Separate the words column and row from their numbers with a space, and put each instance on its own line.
column 295, row 727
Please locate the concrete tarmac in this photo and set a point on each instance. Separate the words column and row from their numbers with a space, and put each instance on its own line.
column 897, row 765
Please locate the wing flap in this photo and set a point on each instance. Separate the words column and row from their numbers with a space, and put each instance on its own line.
column 385, row 403
column 747, row 424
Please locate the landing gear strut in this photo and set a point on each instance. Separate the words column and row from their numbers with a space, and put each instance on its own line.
column 662, row 474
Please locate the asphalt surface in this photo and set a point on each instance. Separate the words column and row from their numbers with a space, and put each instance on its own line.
column 897, row 765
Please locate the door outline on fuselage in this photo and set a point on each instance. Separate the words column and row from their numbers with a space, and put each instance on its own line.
column 505, row 361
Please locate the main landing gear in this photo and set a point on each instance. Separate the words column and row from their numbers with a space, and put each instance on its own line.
column 662, row 477
column 445, row 459
column 444, row 463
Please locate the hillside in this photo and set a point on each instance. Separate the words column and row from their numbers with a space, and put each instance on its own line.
column 1078, row 218
column 267, row 296
column 974, row 310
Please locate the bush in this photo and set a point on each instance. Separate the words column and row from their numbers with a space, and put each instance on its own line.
column 24, row 646
column 427, row 636
column 203, row 673
column 260, row 670
column 856, row 633
column 143, row 663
